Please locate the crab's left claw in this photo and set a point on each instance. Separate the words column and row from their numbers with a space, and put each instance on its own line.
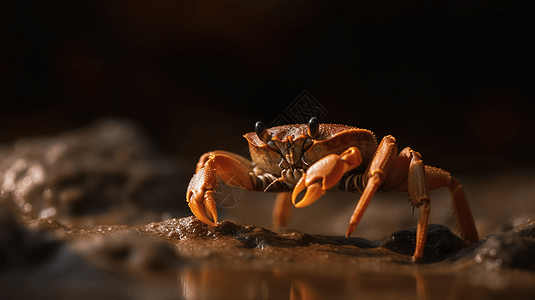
column 324, row 174
column 200, row 197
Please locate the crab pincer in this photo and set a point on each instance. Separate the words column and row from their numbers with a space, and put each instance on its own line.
column 228, row 167
column 200, row 197
column 324, row 174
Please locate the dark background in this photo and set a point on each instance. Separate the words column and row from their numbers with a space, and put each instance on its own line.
column 453, row 80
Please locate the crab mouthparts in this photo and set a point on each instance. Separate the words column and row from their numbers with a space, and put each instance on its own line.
column 292, row 175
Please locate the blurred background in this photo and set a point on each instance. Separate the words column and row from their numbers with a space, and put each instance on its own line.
column 453, row 80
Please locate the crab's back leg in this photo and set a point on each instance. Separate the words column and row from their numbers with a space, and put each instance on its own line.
column 438, row 178
column 408, row 174
column 463, row 214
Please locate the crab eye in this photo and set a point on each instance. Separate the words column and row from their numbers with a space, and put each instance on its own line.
column 262, row 133
column 313, row 127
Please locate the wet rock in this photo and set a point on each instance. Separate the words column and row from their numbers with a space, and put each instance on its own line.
column 108, row 173
column 527, row 229
column 20, row 246
column 440, row 243
column 248, row 235
column 353, row 241
column 511, row 249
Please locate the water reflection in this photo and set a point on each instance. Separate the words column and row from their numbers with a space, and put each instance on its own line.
column 227, row 282
column 429, row 282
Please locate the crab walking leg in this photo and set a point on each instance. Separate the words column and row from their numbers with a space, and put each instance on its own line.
column 419, row 180
column 232, row 169
column 438, row 178
column 419, row 195
column 399, row 171
column 376, row 173
column 462, row 213
column 282, row 210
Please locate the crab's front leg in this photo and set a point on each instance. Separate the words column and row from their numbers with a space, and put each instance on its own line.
column 233, row 169
column 373, row 178
column 324, row 174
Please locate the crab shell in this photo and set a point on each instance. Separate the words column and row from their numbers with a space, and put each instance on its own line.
column 331, row 139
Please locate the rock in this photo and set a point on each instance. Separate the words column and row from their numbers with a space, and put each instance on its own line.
column 248, row 235
column 20, row 246
column 107, row 173
column 511, row 249
column 440, row 243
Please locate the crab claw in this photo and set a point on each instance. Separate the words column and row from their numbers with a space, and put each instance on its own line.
column 205, row 210
column 324, row 174
column 201, row 199
column 313, row 193
column 232, row 169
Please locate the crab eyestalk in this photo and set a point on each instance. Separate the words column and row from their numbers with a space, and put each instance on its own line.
column 313, row 127
column 264, row 136
column 262, row 132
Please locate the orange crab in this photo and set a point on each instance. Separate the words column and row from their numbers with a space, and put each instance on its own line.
column 320, row 157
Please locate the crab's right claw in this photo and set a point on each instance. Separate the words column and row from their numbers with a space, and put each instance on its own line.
column 324, row 174
column 200, row 197
column 313, row 192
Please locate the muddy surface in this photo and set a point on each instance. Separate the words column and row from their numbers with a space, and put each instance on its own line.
column 99, row 213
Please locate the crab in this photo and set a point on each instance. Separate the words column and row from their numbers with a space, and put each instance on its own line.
column 316, row 158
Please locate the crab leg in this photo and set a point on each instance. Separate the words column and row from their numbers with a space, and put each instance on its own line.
column 437, row 178
column 376, row 173
column 463, row 214
column 231, row 168
column 407, row 173
column 200, row 197
column 282, row 210
column 324, row 174
column 419, row 195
